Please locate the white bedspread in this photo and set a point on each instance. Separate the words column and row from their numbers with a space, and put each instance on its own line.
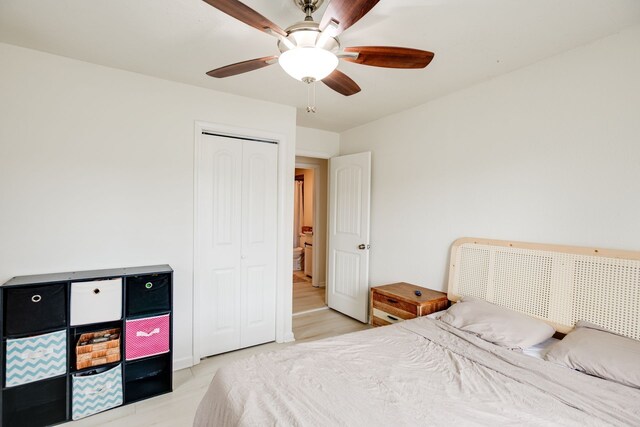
column 418, row 372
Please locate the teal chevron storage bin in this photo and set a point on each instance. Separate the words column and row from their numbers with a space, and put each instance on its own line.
column 96, row 393
column 35, row 358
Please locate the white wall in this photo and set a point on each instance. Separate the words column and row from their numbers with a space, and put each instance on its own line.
column 96, row 169
column 549, row 153
column 317, row 143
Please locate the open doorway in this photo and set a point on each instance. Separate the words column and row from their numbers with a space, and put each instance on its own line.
column 310, row 235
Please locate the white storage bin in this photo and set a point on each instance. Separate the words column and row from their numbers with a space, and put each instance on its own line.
column 96, row 301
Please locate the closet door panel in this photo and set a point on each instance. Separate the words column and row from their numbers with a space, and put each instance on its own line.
column 259, row 244
column 257, row 292
column 219, row 225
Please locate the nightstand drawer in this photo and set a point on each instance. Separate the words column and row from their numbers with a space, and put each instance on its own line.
column 394, row 305
column 388, row 318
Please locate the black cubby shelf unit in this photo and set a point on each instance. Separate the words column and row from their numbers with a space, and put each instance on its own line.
column 42, row 319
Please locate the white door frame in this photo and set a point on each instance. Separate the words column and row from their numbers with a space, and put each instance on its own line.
column 284, row 285
column 316, row 199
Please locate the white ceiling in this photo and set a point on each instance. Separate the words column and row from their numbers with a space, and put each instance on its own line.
column 181, row 40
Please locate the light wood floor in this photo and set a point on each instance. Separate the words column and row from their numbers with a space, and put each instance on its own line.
column 177, row 409
column 305, row 296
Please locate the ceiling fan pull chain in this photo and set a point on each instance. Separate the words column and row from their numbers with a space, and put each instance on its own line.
column 311, row 95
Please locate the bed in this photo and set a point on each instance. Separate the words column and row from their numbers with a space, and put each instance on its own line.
column 427, row 372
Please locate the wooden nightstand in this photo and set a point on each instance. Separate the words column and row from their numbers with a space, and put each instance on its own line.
column 397, row 302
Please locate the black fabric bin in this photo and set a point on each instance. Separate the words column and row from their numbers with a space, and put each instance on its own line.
column 33, row 309
column 37, row 404
column 147, row 377
column 148, row 294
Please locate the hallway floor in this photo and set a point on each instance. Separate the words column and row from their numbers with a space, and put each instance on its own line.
column 305, row 296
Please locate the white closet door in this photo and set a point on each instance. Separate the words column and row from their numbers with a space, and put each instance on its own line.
column 219, row 272
column 237, row 243
column 259, row 242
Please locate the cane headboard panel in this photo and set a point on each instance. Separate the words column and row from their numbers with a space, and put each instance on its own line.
column 558, row 284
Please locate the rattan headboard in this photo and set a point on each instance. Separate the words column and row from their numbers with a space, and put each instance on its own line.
column 559, row 284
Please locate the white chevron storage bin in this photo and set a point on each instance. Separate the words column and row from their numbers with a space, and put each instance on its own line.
column 35, row 358
column 96, row 301
column 96, row 393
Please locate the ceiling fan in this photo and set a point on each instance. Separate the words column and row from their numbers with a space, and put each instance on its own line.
column 310, row 51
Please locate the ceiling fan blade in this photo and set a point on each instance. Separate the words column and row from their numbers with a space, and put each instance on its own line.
column 244, row 13
column 389, row 57
column 242, row 67
column 341, row 83
column 346, row 13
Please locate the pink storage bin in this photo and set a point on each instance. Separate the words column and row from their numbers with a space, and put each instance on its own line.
column 147, row 337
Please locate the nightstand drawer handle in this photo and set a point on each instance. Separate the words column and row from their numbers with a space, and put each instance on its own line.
column 392, row 301
column 392, row 318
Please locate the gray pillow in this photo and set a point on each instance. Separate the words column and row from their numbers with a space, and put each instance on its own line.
column 596, row 351
column 499, row 325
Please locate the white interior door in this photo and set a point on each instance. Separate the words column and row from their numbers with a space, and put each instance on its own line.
column 349, row 205
column 237, row 243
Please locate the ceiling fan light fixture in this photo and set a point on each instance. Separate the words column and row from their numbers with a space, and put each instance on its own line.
column 308, row 63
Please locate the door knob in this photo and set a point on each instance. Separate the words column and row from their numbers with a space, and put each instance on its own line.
column 362, row 246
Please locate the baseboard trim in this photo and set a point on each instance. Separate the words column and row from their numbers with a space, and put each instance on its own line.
column 288, row 337
column 182, row 363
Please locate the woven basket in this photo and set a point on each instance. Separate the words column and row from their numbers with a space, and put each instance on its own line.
column 100, row 353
